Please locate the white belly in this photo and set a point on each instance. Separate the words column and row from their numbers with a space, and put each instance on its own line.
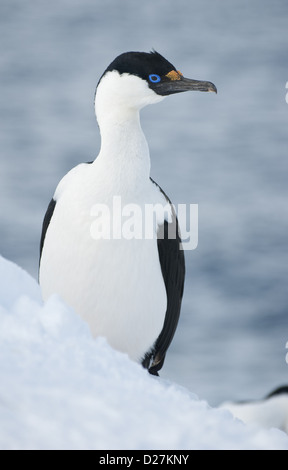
column 116, row 285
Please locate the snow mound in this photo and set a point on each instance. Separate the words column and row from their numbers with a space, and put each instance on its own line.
column 62, row 389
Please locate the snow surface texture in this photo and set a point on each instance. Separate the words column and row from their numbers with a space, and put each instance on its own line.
column 61, row 389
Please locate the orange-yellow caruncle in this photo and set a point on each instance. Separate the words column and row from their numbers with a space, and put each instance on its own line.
column 174, row 75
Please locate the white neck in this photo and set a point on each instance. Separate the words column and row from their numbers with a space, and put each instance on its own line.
column 123, row 143
column 124, row 150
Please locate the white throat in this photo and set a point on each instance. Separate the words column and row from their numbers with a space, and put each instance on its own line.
column 118, row 101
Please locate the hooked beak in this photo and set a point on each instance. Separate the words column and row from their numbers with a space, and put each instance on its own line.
column 187, row 84
column 172, row 84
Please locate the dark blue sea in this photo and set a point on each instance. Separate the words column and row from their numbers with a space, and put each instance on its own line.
column 228, row 153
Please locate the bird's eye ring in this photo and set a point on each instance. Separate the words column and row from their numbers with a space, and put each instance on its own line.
column 154, row 78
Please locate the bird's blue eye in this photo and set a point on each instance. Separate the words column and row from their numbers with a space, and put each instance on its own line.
column 154, row 78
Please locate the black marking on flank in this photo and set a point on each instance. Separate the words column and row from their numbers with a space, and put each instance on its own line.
column 46, row 222
column 172, row 262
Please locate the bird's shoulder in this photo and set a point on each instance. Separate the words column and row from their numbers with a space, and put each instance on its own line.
column 67, row 184
column 72, row 179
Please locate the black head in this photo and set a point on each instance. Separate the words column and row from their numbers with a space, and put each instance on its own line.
column 162, row 77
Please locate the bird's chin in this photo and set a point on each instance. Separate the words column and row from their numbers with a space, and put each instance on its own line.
column 153, row 98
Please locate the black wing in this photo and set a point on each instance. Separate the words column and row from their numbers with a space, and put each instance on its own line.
column 172, row 262
column 46, row 222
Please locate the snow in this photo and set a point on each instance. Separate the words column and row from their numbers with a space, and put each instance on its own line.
column 62, row 389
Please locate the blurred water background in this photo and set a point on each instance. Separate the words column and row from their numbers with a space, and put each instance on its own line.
column 227, row 153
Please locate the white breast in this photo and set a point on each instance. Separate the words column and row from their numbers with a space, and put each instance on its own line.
column 116, row 285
